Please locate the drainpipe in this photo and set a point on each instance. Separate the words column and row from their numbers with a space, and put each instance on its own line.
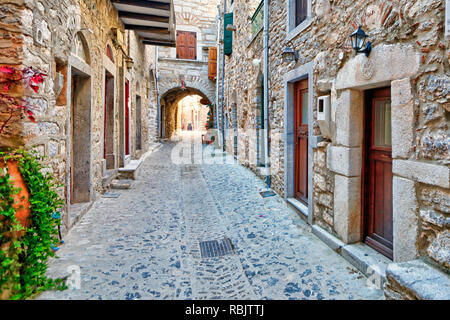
column 223, row 81
column 219, row 24
column 158, row 104
column 266, row 92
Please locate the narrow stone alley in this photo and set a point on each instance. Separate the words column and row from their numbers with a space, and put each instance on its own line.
column 145, row 244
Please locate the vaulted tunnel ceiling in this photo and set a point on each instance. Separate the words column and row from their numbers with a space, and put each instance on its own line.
column 153, row 21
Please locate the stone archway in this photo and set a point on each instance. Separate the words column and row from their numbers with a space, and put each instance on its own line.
column 170, row 100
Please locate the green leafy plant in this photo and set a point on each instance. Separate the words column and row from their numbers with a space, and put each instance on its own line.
column 23, row 260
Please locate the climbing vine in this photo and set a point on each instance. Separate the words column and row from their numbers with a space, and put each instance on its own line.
column 23, row 258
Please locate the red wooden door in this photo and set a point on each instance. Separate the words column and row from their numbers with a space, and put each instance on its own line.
column 104, row 117
column 127, row 118
column 301, row 141
column 378, row 173
column 186, row 45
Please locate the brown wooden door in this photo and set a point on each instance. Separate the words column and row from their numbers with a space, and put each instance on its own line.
column 378, row 172
column 186, row 45
column 301, row 141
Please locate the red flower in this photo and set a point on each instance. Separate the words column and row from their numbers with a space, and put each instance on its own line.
column 34, row 87
column 6, row 69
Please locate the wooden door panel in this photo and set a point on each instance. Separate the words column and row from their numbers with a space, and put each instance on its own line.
column 378, row 173
column 301, row 141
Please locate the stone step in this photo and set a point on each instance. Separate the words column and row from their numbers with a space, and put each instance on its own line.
column 130, row 171
column 121, row 184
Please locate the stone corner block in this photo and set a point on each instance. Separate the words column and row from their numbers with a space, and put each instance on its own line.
column 405, row 220
column 347, row 208
column 428, row 173
column 345, row 161
column 349, row 118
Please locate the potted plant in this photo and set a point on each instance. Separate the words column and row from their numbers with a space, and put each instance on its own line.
column 28, row 229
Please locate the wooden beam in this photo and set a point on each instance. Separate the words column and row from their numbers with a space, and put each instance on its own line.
column 158, row 30
column 144, row 4
column 141, row 16
column 159, row 43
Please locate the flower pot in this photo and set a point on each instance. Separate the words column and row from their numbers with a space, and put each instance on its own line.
column 21, row 199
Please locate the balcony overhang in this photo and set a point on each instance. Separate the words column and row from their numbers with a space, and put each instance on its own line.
column 153, row 21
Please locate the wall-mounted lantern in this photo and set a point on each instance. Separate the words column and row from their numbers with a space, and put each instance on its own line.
column 231, row 27
column 129, row 62
column 358, row 39
column 289, row 54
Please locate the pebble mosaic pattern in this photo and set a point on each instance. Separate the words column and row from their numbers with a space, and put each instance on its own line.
column 146, row 243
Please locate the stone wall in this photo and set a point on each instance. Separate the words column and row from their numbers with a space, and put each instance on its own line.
column 11, row 53
column 409, row 53
column 197, row 16
column 50, row 29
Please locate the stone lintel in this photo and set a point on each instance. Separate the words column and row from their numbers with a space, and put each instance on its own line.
column 385, row 63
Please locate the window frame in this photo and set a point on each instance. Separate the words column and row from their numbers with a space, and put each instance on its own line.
column 196, row 56
column 293, row 30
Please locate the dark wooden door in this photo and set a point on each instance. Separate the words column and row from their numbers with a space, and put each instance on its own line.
column 301, row 141
column 127, row 118
column 186, row 45
column 378, row 172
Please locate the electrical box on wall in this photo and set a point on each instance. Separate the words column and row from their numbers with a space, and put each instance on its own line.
column 324, row 116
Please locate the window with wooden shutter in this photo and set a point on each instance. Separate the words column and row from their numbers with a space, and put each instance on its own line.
column 228, row 35
column 212, row 63
column 301, row 11
column 186, row 45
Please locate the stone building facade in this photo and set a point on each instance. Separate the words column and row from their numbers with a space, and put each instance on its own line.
column 82, row 123
column 410, row 57
column 181, row 77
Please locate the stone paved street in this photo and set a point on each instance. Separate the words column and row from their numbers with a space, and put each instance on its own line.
column 145, row 244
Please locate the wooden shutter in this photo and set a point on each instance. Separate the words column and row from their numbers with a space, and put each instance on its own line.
column 212, row 63
column 301, row 11
column 186, row 45
column 228, row 35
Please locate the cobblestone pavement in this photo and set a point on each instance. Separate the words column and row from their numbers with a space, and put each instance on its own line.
column 145, row 244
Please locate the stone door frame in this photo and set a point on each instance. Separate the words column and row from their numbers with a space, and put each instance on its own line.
column 303, row 72
column 344, row 156
column 83, row 68
column 109, row 66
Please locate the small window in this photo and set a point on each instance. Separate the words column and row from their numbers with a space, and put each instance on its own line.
column 301, row 11
column 109, row 53
column 186, row 45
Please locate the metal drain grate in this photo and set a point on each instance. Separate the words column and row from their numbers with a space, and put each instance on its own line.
column 216, row 248
column 266, row 194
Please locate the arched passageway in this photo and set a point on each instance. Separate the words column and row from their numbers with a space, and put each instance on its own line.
column 172, row 116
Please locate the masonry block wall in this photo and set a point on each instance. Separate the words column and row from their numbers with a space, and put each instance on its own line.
column 411, row 55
